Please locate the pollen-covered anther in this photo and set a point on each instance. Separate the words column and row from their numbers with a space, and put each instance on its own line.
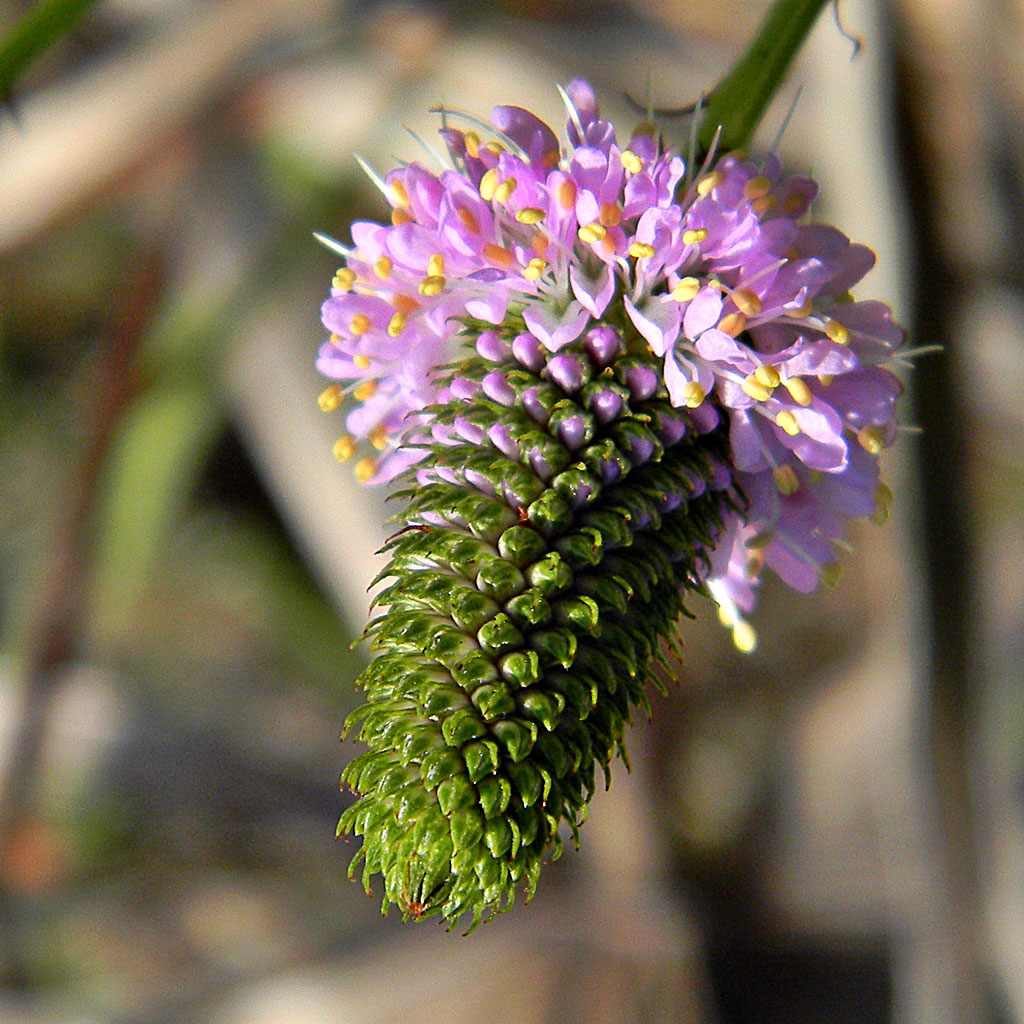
column 382, row 268
column 472, row 141
column 686, row 289
column 830, row 574
column 870, row 439
column 330, row 398
column 755, row 389
column 399, row 196
column 694, row 236
column 498, row 256
column 565, row 193
column 591, row 233
column 733, row 324
column 400, row 216
column 798, row 390
column 365, row 468
column 764, row 204
column 397, row 324
column 836, row 332
column 824, row 379
column 801, row 312
column 708, row 182
column 431, row 286
column 693, row 394
column 883, row 499
column 747, row 302
column 530, row 215
column 365, row 390
column 786, row 480
column 344, row 278
column 757, row 187
column 533, row 270
column 744, row 636
column 786, row 421
column 361, row 361
column 631, row 162
column 610, row 215
column 488, row 183
column 435, row 265
column 503, row 192
column 344, row 448
column 641, row 250
column 359, row 325
column 379, row 437
column 767, row 375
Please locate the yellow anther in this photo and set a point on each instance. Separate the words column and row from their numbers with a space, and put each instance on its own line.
column 365, row 468
column 747, row 302
column 330, row 398
column 566, row 194
column 495, row 147
column 760, row 540
column 709, row 181
column 469, row 222
column 504, row 191
column 733, row 323
column 488, row 185
column 496, row 255
column 641, row 250
column 359, row 324
column 435, row 265
column 845, row 297
column 534, row 269
column 361, row 361
column 694, row 236
column 396, row 325
column 631, row 161
column 382, row 268
column 530, row 215
column 693, row 394
column 591, row 233
column 400, row 216
column 836, row 332
column 793, row 202
column 610, row 215
column 539, row 243
column 744, row 636
column 344, row 279
column 472, row 141
column 764, row 204
column 686, row 289
column 870, row 439
column 801, row 311
column 883, row 499
column 344, row 448
column 830, row 574
column 335, row 339
column 379, row 437
column 798, row 390
column 399, row 194
column 786, row 480
column 768, row 376
column 365, row 390
column 824, row 379
column 787, row 421
column 431, row 286
column 405, row 303
column 755, row 389
column 757, row 187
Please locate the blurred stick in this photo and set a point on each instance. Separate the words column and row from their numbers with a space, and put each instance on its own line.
column 53, row 632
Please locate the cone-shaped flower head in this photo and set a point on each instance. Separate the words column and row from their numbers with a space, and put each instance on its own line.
column 608, row 380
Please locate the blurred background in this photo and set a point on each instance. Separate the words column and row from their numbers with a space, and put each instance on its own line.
column 828, row 830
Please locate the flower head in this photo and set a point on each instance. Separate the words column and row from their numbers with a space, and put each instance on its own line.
column 609, row 381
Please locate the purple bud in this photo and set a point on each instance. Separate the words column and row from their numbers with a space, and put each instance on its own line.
column 568, row 372
column 492, row 346
column 671, row 429
column 606, row 405
column 528, row 351
column 705, row 418
column 581, row 495
column 513, row 499
column 539, row 464
column 602, row 345
column 610, row 471
column 463, row 389
column 502, row 439
column 478, row 480
column 497, row 388
column 533, row 405
column 468, row 431
column 671, row 501
column 640, row 450
column 572, row 432
column 642, row 381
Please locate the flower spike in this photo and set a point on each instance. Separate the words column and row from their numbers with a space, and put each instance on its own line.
column 605, row 384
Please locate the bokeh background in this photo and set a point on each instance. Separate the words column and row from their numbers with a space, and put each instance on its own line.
column 828, row 830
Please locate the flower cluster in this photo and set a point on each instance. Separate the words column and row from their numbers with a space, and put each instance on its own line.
column 606, row 246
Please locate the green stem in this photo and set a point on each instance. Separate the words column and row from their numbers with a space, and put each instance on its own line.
column 740, row 99
column 35, row 32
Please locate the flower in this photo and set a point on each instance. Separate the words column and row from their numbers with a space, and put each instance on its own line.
column 608, row 381
column 747, row 306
